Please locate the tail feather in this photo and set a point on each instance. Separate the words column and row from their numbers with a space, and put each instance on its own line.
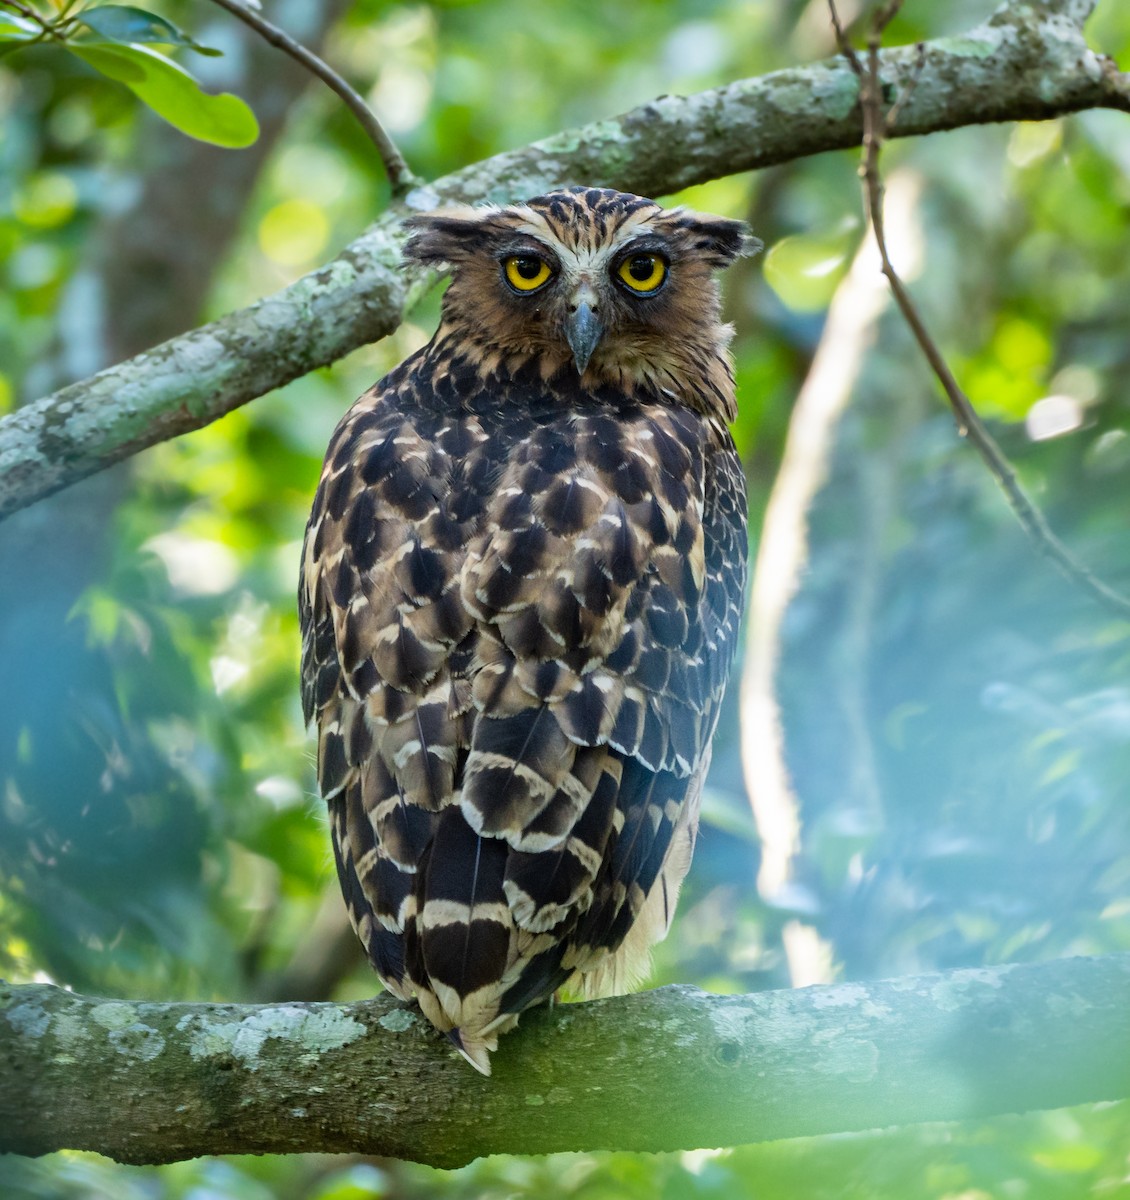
column 476, row 1051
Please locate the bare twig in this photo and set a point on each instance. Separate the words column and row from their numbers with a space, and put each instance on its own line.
column 1034, row 71
column 56, row 27
column 24, row 11
column 908, row 91
column 400, row 177
column 877, row 125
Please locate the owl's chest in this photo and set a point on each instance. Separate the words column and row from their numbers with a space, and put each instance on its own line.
column 548, row 534
column 464, row 473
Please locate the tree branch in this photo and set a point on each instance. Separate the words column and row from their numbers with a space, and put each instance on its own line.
column 669, row 1069
column 25, row 11
column 1011, row 68
column 878, row 126
column 400, row 177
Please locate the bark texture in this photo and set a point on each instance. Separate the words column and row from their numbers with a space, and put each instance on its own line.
column 1028, row 62
column 670, row 1069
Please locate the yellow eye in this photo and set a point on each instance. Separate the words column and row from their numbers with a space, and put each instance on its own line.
column 643, row 272
column 525, row 273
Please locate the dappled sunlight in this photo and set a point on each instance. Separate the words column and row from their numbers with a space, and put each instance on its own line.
column 195, row 566
column 921, row 763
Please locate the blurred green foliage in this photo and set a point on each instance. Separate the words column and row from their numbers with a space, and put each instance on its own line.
column 117, row 41
column 956, row 716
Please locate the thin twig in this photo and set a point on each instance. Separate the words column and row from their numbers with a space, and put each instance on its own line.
column 876, row 127
column 30, row 13
column 400, row 176
column 57, row 27
column 50, row 29
column 904, row 96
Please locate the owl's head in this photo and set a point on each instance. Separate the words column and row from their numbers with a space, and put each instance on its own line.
column 601, row 282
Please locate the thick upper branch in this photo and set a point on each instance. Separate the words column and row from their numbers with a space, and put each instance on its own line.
column 664, row 1070
column 1028, row 62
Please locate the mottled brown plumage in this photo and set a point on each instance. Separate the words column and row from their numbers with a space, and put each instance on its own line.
column 520, row 593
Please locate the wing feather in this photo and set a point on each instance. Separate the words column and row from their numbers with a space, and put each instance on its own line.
column 513, row 623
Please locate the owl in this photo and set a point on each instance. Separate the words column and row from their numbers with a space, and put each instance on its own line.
column 520, row 591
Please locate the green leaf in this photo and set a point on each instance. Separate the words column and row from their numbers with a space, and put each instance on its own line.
column 172, row 93
column 805, row 269
column 14, row 28
column 127, row 25
column 15, row 32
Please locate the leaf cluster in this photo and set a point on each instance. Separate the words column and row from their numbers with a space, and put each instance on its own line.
column 120, row 42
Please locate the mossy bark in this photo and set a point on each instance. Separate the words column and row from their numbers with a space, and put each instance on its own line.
column 669, row 1069
column 1028, row 62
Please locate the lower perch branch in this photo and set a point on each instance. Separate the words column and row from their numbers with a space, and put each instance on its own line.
column 669, row 1069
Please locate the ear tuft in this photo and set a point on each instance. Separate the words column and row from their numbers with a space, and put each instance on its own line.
column 750, row 245
column 447, row 235
column 718, row 240
column 724, row 239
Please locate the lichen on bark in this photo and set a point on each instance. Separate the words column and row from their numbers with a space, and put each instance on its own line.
column 1028, row 62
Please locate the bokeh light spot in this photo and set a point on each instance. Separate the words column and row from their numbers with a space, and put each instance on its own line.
column 293, row 232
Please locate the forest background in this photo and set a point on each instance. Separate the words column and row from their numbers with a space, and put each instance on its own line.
column 954, row 714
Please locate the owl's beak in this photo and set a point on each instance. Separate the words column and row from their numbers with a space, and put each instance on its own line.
column 583, row 331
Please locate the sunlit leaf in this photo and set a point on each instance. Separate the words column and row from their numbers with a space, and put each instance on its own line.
column 172, row 93
column 1070, row 1157
column 46, row 200
column 805, row 270
column 293, row 232
column 16, row 31
column 17, row 28
column 126, row 24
